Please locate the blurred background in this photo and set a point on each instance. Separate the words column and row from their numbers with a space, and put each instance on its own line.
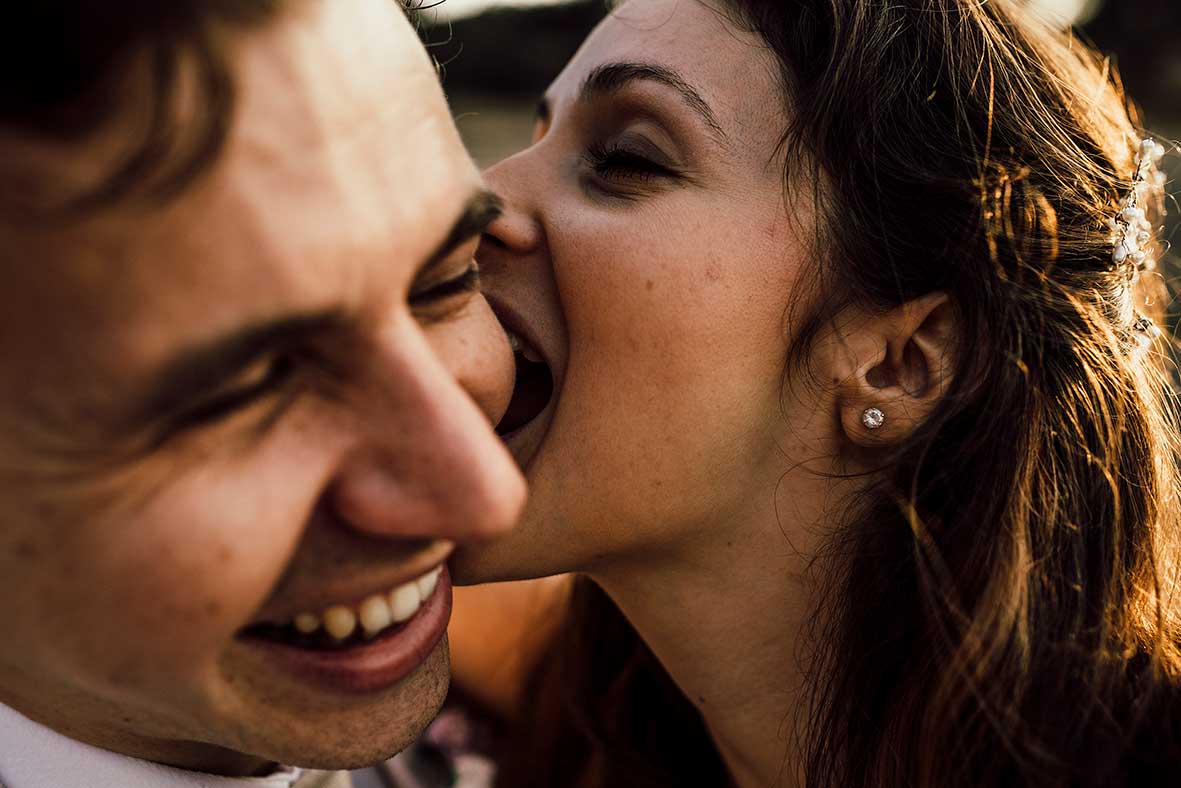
column 497, row 57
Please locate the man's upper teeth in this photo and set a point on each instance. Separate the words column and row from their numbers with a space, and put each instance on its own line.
column 374, row 613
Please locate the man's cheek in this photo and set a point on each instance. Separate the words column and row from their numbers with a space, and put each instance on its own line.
column 176, row 588
column 476, row 351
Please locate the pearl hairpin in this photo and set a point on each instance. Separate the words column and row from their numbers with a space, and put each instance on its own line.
column 1132, row 233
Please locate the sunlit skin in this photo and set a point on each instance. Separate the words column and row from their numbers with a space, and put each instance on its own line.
column 144, row 530
column 652, row 254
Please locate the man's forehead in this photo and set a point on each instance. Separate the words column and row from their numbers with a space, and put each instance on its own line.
column 355, row 108
column 343, row 166
column 327, row 97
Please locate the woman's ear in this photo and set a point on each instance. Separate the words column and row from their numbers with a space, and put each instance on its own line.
column 892, row 368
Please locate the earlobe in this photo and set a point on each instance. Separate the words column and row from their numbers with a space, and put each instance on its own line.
column 893, row 368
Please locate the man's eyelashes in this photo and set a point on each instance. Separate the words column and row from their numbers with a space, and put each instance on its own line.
column 269, row 375
column 438, row 302
column 258, row 381
column 467, row 282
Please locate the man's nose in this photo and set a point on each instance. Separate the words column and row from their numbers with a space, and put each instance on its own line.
column 427, row 463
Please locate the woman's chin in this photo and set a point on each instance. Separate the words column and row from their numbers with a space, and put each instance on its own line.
column 491, row 562
column 523, row 554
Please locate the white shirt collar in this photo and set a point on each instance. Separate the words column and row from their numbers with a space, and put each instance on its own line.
column 33, row 756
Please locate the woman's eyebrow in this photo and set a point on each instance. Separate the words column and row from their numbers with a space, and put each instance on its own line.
column 612, row 77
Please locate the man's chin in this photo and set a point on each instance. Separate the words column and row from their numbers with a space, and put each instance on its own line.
column 348, row 732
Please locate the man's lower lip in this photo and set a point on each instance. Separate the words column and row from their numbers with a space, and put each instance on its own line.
column 373, row 666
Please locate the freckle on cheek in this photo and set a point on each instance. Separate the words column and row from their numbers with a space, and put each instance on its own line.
column 25, row 550
column 649, row 284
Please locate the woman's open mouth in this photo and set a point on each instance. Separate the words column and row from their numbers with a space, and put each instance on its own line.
column 533, row 390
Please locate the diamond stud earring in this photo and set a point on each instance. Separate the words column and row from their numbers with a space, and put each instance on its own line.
column 873, row 418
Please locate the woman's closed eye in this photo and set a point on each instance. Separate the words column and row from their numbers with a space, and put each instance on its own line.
column 623, row 163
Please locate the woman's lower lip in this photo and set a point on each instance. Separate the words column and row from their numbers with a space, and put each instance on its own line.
column 520, row 444
column 524, row 441
column 375, row 665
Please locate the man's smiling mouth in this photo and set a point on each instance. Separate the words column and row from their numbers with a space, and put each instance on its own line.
column 371, row 654
column 345, row 625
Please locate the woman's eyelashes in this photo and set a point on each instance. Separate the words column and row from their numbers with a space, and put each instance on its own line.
column 619, row 162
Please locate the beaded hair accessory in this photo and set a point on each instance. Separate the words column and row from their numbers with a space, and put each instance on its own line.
column 1132, row 236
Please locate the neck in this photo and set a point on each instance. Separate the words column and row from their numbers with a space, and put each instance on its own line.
column 192, row 756
column 725, row 618
column 82, row 720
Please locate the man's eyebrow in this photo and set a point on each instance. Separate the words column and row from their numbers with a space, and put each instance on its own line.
column 480, row 210
column 612, row 77
column 197, row 370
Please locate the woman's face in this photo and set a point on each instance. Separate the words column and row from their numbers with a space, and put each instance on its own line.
column 648, row 253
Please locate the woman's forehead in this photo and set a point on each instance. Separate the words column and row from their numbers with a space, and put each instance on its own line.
column 677, row 33
column 699, row 44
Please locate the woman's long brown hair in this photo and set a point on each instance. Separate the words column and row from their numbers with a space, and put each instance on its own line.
column 1001, row 606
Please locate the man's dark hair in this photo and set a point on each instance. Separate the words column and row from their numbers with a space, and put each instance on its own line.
column 64, row 73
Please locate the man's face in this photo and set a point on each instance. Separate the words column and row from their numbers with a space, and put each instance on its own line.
column 270, row 398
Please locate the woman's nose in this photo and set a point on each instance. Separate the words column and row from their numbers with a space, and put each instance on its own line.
column 518, row 228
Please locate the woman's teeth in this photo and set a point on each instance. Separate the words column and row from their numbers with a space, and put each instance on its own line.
column 375, row 613
column 524, row 348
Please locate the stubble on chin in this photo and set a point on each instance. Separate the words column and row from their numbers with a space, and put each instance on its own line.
column 347, row 732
